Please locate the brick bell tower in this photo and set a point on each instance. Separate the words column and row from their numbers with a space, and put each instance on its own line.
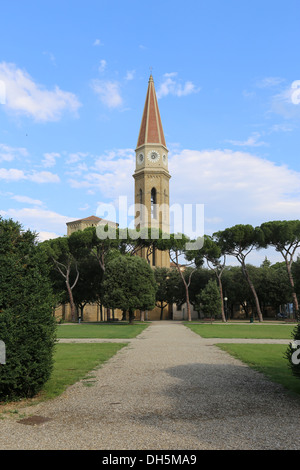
column 152, row 176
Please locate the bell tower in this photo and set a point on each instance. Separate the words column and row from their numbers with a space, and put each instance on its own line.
column 151, row 174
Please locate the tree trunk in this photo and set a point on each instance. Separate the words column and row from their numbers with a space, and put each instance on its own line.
column 218, row 270
column 291, row 279
column 185, row 284
column 60, row 267
column 187, row 296
column 260, row 317
column 162, row 307
column 188, row 302
column 81, row 307
column 222, row 301
column 131, row 316
column 72, row 304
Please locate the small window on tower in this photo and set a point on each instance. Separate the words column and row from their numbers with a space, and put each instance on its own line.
column 153, row 203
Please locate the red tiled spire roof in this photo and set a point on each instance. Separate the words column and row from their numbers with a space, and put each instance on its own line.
column 151, row 130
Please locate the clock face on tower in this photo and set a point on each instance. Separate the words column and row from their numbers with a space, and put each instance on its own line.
column 140, row 158
column 153, row 156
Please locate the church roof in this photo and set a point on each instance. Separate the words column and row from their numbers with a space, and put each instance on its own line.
column 151, row 130
column 91, row 217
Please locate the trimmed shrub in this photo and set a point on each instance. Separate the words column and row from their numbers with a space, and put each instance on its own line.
column 27, row 324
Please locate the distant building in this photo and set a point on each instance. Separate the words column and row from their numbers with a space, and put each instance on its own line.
column 81, row 224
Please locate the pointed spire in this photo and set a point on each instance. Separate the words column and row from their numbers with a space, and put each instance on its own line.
column 151, row 130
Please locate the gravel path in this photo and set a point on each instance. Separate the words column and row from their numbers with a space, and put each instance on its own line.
column 169, row 389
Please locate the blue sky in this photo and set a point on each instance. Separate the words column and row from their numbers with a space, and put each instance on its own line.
column 75, row 76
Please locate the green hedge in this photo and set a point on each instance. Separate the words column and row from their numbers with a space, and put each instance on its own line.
column 27, row 325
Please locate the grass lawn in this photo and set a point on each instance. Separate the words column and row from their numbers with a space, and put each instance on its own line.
column 72, row 362
column 100, row 330
column 251, row 330
column 268, row 359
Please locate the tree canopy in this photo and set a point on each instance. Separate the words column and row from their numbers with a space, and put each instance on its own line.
column 129, row 284
column 284, row 236
column 239, row 241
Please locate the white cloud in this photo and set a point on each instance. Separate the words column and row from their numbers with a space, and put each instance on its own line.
column 281, row 128
column 97, row 42
column 50, row 159
column 170, row 86
column 8, row 153
column 268, row 82
column 43, row 177
column 75, row 157
column 84, row 208
column 77, row 170
column 46, row 223
column 109, row 174
column 108, row 92
column 42, row 236
column 13, row 174
column 237, row 187
column 25, row 97
column 27, row 200
column 234, row 186
column 102, row 65
column 130, row 75
column 252, row 141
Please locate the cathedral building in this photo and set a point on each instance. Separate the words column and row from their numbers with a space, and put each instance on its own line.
column 152, row 200
column 82, row 224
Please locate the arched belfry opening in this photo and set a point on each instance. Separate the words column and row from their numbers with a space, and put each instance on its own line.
column 153, row 203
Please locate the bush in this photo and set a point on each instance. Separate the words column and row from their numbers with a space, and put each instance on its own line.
column 27, row 325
